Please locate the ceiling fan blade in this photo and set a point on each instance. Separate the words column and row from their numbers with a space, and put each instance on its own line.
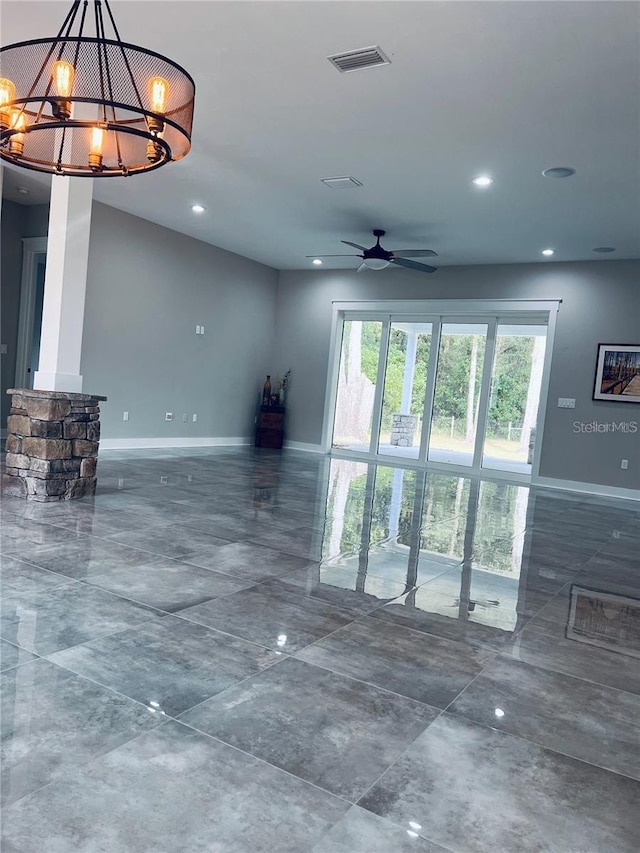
column 414, row 253
column 412, row 265
column 362, row 268
column 355, row 245
column 333, row 256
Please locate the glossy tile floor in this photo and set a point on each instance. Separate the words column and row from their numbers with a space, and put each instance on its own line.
column 246, row 651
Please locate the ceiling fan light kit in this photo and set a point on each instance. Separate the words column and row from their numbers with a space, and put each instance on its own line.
column 378, row 258
column 92, row 106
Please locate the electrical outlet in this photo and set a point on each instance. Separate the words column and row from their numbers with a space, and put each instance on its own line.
column 164, row 480
column 168, row 416
column 197, row 330
column 566, row 403
column 125, row 416
column 202, row 330
column 194, row 419
column 624, row 464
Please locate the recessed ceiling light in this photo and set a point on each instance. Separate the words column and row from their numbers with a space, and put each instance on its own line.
column 604, row 249
column 316, row 261
column 547, row 252
column 198, row 208
column 23, row 190
column 559, row 172
column 483, row 181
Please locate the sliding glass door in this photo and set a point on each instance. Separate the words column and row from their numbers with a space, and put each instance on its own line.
column 454, row 417
column 357, row 378
column 405, row 386
column 444, row 391
column 516, row 380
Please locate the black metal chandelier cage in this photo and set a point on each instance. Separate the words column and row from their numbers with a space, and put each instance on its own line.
column 92, row 106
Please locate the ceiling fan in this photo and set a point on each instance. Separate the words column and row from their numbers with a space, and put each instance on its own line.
column 377, row 258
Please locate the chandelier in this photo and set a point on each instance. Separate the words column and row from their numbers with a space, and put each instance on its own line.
column 92, row 106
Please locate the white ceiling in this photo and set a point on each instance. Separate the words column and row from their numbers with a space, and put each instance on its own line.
column 508, row 88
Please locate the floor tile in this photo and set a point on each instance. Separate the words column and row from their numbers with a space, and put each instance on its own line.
column 544, row 643
column 427, row 610
column 361, row 831
column 53, row 721
column 333, row 731
column 594, row 723
column 177, row 791
column 167, row 584
column 22, row 537
column 168, row 541
column 347, row 589
column 83, row 560
column 472, row 789
column 169, row 665
column 57, row 619
column 301, row 542
column 20, row 578
column 278, row 618
column 248, row 561
column 11, row 655
column 421, row 666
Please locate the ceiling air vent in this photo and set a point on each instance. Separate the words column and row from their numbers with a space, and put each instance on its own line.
column 366, row 57
column 341, row 183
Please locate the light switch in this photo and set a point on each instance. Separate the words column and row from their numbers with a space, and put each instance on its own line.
column 3, row 349
column 566, row 403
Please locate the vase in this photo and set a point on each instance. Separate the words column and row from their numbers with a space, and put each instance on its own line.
column 266, row 392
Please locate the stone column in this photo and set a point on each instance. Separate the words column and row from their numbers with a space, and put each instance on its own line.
column 52, row 445
column 403, row 429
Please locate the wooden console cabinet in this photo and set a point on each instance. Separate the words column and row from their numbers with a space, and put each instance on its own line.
column 270, row 427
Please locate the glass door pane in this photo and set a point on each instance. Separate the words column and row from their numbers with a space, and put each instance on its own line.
column 404, row 389
column 516, row 380
column 357, row 384
column 454, row 420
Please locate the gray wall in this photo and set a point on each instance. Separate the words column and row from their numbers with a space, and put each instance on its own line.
column 147, row 289
column 16, row 221
column 601, row 303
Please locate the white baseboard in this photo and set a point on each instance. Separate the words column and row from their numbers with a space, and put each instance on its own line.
column 300, row 445
column 150, row 443
column 587, row 488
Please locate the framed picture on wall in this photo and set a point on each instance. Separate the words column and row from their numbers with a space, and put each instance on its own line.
column 618, row 373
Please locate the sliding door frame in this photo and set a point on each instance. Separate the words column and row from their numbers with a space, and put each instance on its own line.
column 437, row 312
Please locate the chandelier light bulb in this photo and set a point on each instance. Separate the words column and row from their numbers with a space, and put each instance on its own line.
column 7, row 94
column 159, row 89
column 95, row 150
column 63, row 74
column 16, row 143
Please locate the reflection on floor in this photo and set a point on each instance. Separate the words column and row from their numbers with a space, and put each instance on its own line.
column 459, row 458
column 229, row 651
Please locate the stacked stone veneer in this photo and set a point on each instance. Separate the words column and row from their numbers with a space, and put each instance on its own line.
column 52, row 445
column 403, row 429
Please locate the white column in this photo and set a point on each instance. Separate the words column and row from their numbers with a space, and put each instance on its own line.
column 409, row 373
column 65, row 285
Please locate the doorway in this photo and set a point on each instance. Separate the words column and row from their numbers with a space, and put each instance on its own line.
column 441, row 391
column 34, row 262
